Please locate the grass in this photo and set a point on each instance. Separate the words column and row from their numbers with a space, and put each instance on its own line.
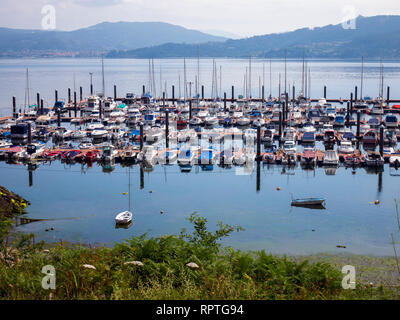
column 222, row 273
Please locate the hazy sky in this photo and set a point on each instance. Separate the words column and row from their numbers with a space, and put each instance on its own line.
column 242, row 17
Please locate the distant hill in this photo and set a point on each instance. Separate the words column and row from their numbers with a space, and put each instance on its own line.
column 102, row 37
column 374, row 37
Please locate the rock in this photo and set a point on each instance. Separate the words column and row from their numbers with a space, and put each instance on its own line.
column 89, row 266
column 192, row 265
column 135, row 263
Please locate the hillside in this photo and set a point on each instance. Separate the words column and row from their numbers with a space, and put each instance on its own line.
column 374, row 37
column 98, row 38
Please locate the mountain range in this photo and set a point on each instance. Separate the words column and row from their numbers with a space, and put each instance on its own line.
column 373, row 37
column 102, row 37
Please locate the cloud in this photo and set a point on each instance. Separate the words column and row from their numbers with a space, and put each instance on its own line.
column 103, row 3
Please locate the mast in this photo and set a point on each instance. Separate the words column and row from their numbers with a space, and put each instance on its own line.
column 184, row 79
column 270, row 78
column 198, row 70
column 285, row 71
column 302, row 78
column 220, row 81
column 362, row 76
column 250, row 77
column 27, row 88
column 102, row 75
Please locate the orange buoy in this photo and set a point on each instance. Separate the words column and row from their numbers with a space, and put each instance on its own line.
column 279, row 188
column 376, row 201
column 353, row 172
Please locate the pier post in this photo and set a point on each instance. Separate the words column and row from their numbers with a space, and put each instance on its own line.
column 166, row 129
column 14, row 108
column 100, row 110
column 115, row 92
column 80, row 93
column 348, row 115
column 41, row 107
column 258, row 143
column 91, row 89
column 358, row 123
column 351, row 101
column 75, row 105
column 388, row 95
column 190, row 109
column 141, row 177
column 287, row 106
column 233, row 94
column 141, row 136
column 258, row 176
column 381, row 140
column 224, row 101
column 262, row 94
column 355, row 94
column 29, row 133
column 324, row 92
column 173, row 95
column 37, row 101
column 56, row 95
column 69, row 95
column 202, row 92
column 280, row 125
column 30, row 174
column 59, row 119
column 143, row 90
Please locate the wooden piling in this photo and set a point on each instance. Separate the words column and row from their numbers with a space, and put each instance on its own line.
column 258, row 180
column 37, row 101
column 115, row 92
column 387, row 94
column 202, row 92
column 80, row 93
column 75, row 105
column 358, row 123
column 351, row 101
column 143, row 90
column 324, row 92
column 190, row 109
column 141, row 136
column 56, row 95
column 381, row 140
column 41, row 107
column 294, row 93
column 348, row 115
column 262, row 94
column 59, row 118
column 173, row 95
column 141, row 177
column 258, row 143
column 69, row 95
column 100, row 109
column 355, row 93
column 224, row 101
column 14, row 103
column 233, row 93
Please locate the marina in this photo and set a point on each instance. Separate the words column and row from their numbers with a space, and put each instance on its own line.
column 194, row 153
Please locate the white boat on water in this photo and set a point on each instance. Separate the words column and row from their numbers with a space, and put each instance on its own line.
column 124, row 217
column 346, row 147
column 331, row 158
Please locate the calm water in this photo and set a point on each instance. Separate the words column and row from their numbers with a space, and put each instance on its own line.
column 129, row 75
column 83, row 203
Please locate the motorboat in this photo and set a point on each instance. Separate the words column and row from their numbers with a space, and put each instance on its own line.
column 346, row 147
column 148, row 155
column 370, row 137
column 289, row 146
column 308, row 202
column 331, row 158
column 308, row 157
column 243, row 121
column 374, row 159
column 109, row 153
column 391, row 121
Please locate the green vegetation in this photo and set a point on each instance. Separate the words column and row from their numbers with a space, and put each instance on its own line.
column 157, row 268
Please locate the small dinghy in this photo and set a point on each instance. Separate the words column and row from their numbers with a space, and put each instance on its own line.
column 123, row 218
column 308, row 202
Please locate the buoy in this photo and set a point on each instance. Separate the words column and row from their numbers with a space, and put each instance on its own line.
column 353, row 172
column 150, row 191
column 376, row 202
column 162, row 211
column 279, row 188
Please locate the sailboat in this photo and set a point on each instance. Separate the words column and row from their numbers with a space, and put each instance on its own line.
column 125, row 217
